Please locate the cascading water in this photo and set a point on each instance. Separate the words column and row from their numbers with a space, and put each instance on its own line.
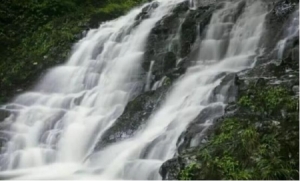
column 55, row 126
column 229, row 46
column 289, row 33
column 194, row 4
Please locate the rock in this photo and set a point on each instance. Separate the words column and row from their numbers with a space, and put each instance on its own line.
column 181, row 7
column 133, row 118
column 199, row 18
column 3, row 114
column 296, row 89
column 170, row 40
column 231, row 108
column 261, row 82
column 150, row 7
column 156, row 48
column 169, row 61
column 196, row 131
column 240, row 8
column 227, row 90
column 275, row 22
column 146, row 11
column 188, row 34
column 170, row 169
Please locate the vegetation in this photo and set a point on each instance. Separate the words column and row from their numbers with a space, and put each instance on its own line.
column 37, row 34
column 259, row 143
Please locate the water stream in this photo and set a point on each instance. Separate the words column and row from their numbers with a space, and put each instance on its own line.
column 56, row 125
column 229, row 46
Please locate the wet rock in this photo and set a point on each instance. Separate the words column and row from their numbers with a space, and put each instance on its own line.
column 181, row 7
column 188, row 34
column 288, row 49
column 133, row 118
column 170, row 169
column 283, row 8
column 292, row 61
column 172, row 39
column 231, row 108
column 275, row 22
column 157, row 46
column 196, row 131
column 3, row 114
column 146, row 11
column 150, row 7
column 227, row 90
column 169, row 61
column 194, row 19
column 240, row 9
column 4, row 125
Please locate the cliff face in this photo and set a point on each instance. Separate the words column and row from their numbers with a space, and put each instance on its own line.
column 255, row 137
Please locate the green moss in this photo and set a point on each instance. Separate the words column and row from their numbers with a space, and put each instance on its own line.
column 247, row 148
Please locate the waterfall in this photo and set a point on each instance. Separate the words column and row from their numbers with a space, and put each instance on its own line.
column 229, row 46
column 192, row 4
column 290, row 32
column 149, row 76
column 56, row 125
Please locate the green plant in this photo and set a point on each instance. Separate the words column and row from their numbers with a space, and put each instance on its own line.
column 239, row 149
column 34, row 29
column 188, row 172
column 268, row 100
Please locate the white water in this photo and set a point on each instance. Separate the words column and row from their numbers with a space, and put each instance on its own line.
column 149, row 76
column 290, row 32
column 142, row 156
column 56, row 125
column 194, row 4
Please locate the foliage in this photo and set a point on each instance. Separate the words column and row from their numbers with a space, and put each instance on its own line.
column 188, row 172
column 119, row 6
column 269, row 100
column 167, row 81
column 38, row 34
column 247, row 148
